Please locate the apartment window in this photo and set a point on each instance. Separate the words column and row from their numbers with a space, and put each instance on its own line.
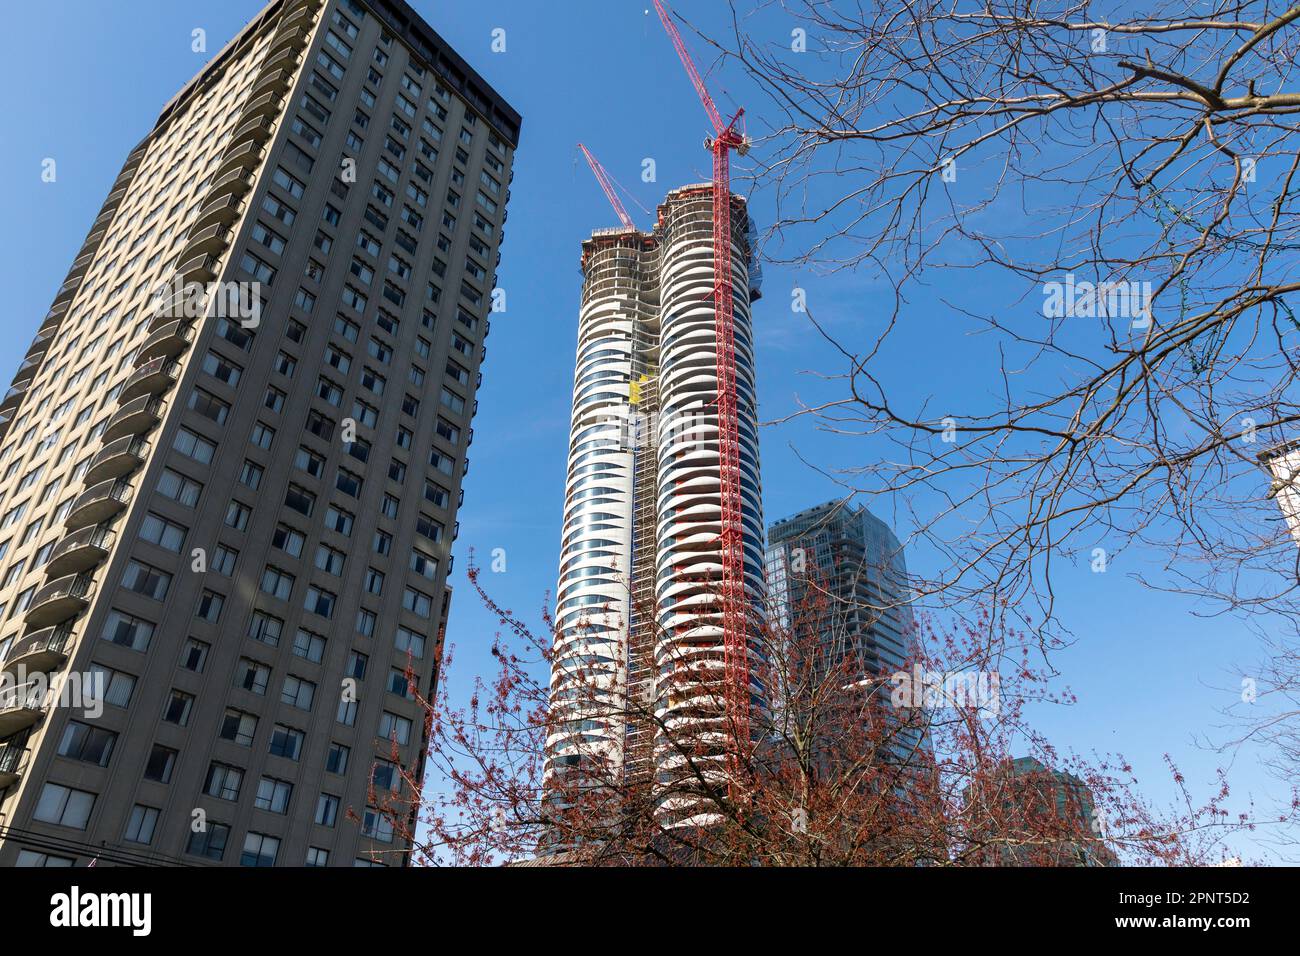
column 262, row 436
column 288, row 183
column 194, row 655
column 426, row 527
column 277, row 583
column 288, row 540
column 308, row 461
column 143, row 579
column 309, row 646
column 265, row 237
column 437, row 494
column 423, row 564
column 161, row 763
column 209, row 406
column 223, row 781
column 209, row 608
column 238, row 727
column 64, row 806
column 257, row 268
column 274, row 399
column 448, row 432
column 259, row 849
column 383, row 542
column 366, row 623
column 348, row 483
column 339, row 520
column 165, row 534
column 385, row 776
column 374, row 583
column 178, row 488
column 273, row 795
column 327, row 811
column 399, row 684
column 319, row 601
column 336, row 761
column 252, row 676
column 300, row 500
column 286, row 742
column 395, row 728
column 118, row 686
column 278, row 210
column 210, row 842
column 141, row 824
column 250, row 475
column 356, row 667
column 237, row 516
column 86, row 743
column 178, row 707
column 223, row 560
column 408, row 642
column 193, row 446
column 347, row 712
column 127, row 631
column 297, row 692
column 349, row 331
column 365, row 414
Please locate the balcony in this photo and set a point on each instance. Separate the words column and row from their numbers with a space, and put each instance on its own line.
column 151, row 378
column 96, row 505
column 255, row 130
column 27, row 371
column 286, row 58
column 20, row 707
column 13, row 398
column 169, row 341
column 138, row 417
column 291, row 19
column 81, row 265
column 223, row 210
column 11, row 758
column 202, row 269
column 41, row 344
column 271, row 80
column 117, row 459
column 60, row 600
column 53, row 317
column 235, row 181
column 294, row 37
column 209, row 240
column 41, row 650
column 265, row 105
column 241, row 157
column 116, row 196
column 81, row 550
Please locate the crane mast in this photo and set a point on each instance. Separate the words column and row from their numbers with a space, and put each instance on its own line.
column 735, row 617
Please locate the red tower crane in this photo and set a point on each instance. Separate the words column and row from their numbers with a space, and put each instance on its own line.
column 735, row 617
column 603, row 178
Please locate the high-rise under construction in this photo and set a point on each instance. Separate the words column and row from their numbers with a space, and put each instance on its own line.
column 639, row 604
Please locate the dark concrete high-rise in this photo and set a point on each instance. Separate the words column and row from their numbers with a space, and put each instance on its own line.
column 230, row 503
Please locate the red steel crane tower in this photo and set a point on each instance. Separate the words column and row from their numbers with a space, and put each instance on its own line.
column 735, row 617
column 602, row 177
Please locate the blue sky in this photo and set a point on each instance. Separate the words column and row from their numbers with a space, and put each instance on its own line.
column 1149, row 673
